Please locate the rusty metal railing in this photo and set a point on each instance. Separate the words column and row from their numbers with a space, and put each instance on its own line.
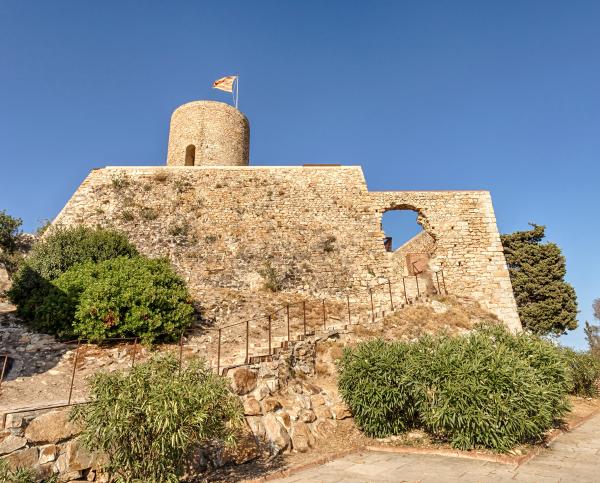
column 268, row 321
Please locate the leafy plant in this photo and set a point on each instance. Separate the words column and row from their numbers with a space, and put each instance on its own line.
column 66, row 247
column 122, row 297
column 149, row 421
column 490, row 388
column 584, row 370
column 21, row 475
column 375, row 381
column 12, row 242
column 52, row 256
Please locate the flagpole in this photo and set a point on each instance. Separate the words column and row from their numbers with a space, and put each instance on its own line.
column 237, row 90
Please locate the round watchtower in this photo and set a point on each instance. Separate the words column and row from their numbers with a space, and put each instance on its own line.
column 208, row 133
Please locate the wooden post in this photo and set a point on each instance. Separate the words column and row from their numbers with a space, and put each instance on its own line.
column 219, row 354
column 180, row 352
column 287, row 314
column 324, row 316
column 269, row 335
column 247, row 339
column 73, row 373
column 304, row 315
column 444, row 282
column 3, row 369
column 134, row 352
column 437, row 279
column 390, row 290
column 349, row 316
column 405, row 294
column 372, row 308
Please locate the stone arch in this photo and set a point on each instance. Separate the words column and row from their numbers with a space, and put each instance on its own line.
column 413, row 255
column 190, row 155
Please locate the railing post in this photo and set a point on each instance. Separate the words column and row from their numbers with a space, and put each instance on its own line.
column 180, row 352
column 304, row 315
column 324, row 316
column 134, row 353
column 444, row 282
column 418, row 291
column 287, row 314
column 390, row 290
column 3, row 369
column 404, row 285
column 247, row 339
column 269, row 335
column 372, row 308
column 73, row 373
column 349, row 315
column 219, row 354
column 437, row 279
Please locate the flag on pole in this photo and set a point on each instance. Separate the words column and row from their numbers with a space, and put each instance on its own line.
column 225, row 83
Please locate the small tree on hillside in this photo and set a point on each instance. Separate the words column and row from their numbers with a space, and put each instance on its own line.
column 592, row 332
column 12, row 242
column 547, row 304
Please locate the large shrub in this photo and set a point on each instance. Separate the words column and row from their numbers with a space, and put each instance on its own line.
column 121, row 297
column 51, row 257
column 380, row 407
column 149, row 421
column 478, row 392
column 584, row 369
column 66, row 247
column 490, row 388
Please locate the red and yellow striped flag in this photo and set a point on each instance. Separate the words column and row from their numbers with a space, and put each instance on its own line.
column 225, row 83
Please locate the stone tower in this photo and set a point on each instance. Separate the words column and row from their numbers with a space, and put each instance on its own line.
column 208, row 133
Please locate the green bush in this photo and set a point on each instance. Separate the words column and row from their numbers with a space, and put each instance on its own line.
column 66, row 247
column 122, row 297
column 584, row 369
column 149, row 421
column 379, row 408
column 489, row 389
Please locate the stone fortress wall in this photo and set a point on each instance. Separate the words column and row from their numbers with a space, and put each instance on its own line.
column 314, row 229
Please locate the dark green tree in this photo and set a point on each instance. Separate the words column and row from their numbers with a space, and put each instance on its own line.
column 547, row 304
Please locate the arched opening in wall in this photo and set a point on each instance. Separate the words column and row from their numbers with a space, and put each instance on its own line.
column 405, row 239
column 190, row 155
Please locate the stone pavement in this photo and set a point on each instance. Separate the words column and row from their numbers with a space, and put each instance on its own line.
column 572, row 457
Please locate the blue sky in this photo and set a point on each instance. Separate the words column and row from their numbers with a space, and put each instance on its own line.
column 502, row 96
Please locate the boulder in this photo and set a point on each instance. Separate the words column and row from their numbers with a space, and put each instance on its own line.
column 256, row 426
column 340, row 411
column 78, row 457
column 24, row 458
column 323, row 412
column 307, row 415
column 277, row 437
column 51, row 427
column 312, row 388
column 270, row 404
column 251, row 407
column 323, row 428
column 302, row 438
column 48, row 453
column 284, row 418
column 261, row 392
column 10, row 442
column 243, row 380
column 318, row 400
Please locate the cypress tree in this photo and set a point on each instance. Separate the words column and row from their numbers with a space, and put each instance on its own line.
column 547, row 304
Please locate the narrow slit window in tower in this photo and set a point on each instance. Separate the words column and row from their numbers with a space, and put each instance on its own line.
column 190, row 155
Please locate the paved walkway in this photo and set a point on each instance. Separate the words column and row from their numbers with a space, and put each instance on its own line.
column 572, row 457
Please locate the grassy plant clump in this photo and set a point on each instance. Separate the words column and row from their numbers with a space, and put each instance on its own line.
column 122, row 297
column 488, row 389
column 584, row 369
column 380, row 407
column 149, row 421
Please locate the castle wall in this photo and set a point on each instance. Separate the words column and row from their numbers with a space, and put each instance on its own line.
column 314, row 230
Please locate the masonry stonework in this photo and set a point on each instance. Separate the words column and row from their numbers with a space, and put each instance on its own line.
column 309, row 230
